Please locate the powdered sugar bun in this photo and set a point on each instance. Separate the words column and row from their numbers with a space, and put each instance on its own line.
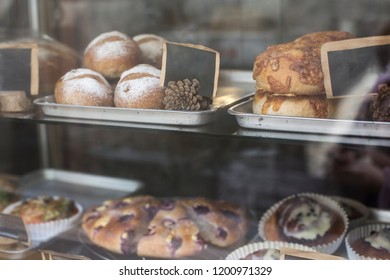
column 151, row 47
column 139, row 87
column 83, row 87
column 112, row 53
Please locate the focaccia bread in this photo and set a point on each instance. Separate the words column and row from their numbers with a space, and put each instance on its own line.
column 221, row 223
column 164, row 228
column 294, row 68
column 171, row 233
column 117, row 225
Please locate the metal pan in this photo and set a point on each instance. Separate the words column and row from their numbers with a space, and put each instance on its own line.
column 245, row 118
column 86, row 189
column 51, row 108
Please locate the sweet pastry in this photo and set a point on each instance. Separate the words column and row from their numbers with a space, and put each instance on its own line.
column 44, row 209
column 117, row 225
column 369, row 242
column 356, row 212
column 376, row 245
column 112, row 53
column 83, row 87
column 310, row 220
column 294, row 68
column 265, row 103
column 171, row 233
column 139, row 87
column 46, row 216
column 151, row 47
column 221, row 223
column 164, row 228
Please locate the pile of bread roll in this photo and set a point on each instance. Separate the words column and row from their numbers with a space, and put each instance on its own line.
column 289, row 77
column 119, row 71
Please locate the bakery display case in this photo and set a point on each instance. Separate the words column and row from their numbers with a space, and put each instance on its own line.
column 153, row 170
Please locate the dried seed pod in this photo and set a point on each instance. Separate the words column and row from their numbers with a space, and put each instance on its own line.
column 183, row 95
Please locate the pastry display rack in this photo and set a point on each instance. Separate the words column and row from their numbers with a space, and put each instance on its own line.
column 94, row 154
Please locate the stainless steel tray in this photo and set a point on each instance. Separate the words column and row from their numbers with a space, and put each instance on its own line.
column 86, row 189
column 51, row 108
column 245, row 118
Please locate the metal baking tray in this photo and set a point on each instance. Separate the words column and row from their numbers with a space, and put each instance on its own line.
column 154, row 116
column 86, row 189
column 245, row 118
column 233, row 86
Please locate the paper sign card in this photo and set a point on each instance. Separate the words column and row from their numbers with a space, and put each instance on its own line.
column 186, row 61
column 290, row 253
column 19, row 68
column 352, row 67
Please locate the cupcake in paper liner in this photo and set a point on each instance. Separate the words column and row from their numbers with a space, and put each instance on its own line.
column 45, row 216
column 369, row 242
column 268, row 250
column 308, row 219
column 356, row 211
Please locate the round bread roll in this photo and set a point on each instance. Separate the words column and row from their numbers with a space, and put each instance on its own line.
column 151, row 47
column 83, row 87
column 139, row 87
column 294, row 68
column 112, row 53
column 315, row 106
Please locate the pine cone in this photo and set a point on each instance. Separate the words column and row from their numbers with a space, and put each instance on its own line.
column 183, row 95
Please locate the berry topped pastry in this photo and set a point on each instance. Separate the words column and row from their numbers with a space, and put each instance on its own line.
column 305, row 219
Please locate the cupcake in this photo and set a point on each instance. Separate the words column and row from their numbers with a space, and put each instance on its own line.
column 45, row 216
column 356, row 212
column 269, row 250
column 369, row 242
column 308, row 219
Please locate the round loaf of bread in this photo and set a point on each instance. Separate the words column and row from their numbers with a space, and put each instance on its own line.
column 112, row 53
column 139, row 87
column 83, row 87
column 151, row 47
column 265, row 103
column 294, row 68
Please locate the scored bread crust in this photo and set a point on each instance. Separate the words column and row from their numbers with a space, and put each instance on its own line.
column 294, row 68
column 139, row 87
column 84, row 87
column 315, row 106
column 111, row 54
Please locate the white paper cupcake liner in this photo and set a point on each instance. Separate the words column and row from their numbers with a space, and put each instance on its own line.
column 45, row 231
column 328, row 248
column 246, row 250
column 353, row 223
column 358, row 233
